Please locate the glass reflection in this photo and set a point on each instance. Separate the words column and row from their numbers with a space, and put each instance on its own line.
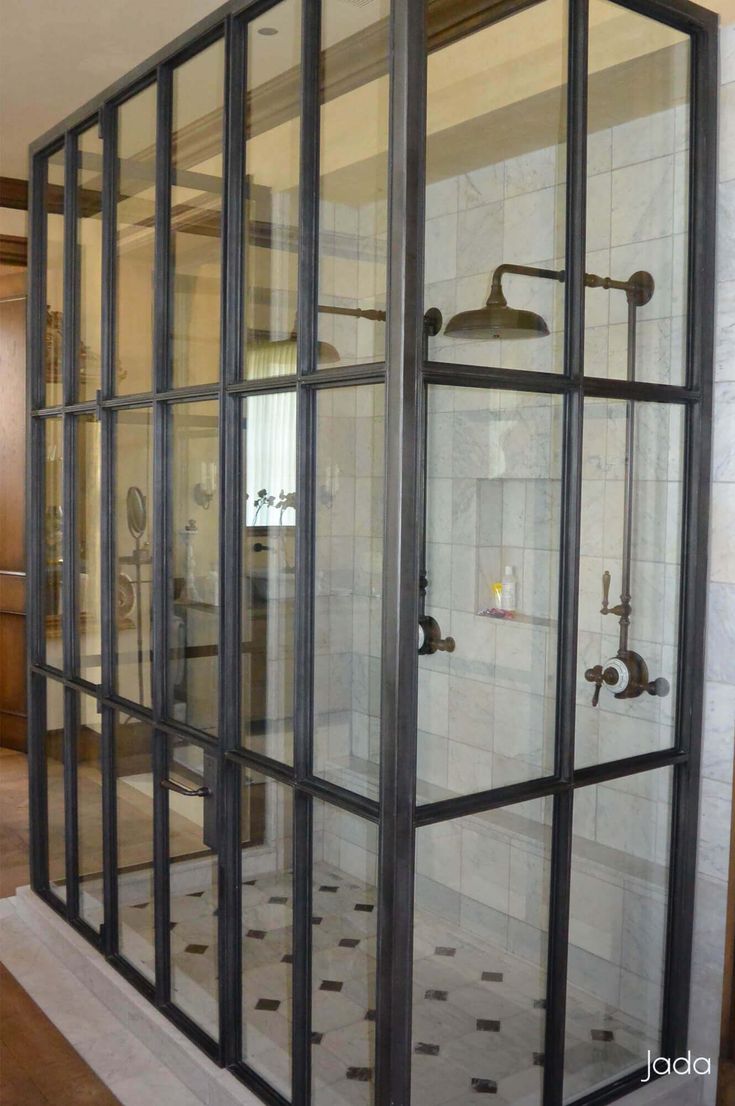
column 495, row 191
column 54, row 274
column 193, row 884
column 480, row 948
column 89, row 812
column 637, row 191
column 194, row 610
column 267, row 927
column 87, row 498
column 348, row 581
column 135, row 220
column 89, row 254
column 344, row 939
column 55, row 801
column 196, row 210
column 272, row 158
column 53, row 521
column 133, row 543
column 631, row 547
column 134, row 818
column 493, row 493
column 269, row 558
column 353, row 186
column 617, row 928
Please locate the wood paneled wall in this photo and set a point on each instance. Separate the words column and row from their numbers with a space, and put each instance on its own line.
column 12, row 507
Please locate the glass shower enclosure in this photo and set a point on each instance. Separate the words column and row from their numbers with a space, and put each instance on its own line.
column 369, row 406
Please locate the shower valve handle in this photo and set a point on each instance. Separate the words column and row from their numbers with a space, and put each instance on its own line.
column 622, row 609
column 430, row 637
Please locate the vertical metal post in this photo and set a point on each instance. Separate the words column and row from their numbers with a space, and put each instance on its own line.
column 566, row 676
column 228, row 811
column 696, row 483
column 304, row 646
column 399, row 656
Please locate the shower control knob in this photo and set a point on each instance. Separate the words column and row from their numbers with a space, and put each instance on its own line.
column 627, row 677
column 430, row 637
column 659, row 686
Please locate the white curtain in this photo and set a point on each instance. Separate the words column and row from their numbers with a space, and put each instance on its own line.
column 270, row 433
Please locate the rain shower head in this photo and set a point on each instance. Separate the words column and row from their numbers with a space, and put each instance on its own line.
column 496, row 319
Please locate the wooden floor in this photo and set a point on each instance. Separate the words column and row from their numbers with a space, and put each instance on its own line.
column 38, row 1066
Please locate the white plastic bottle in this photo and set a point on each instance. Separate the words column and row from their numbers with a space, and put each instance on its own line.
column 509, row 594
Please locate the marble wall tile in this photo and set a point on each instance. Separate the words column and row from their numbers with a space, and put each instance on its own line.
column 485, row 867
column 710, row 910
column 721, row 632
column 599, row 152
column 530, row 233
column 727, row 132
column 722, row 562
column 643, row 139
column 596, row 916
column 723, row 445
column 719, row 730
column 713, row 852
column 533, row 171
column 726, row 231
column 626, row 822
column 440, row 261
column 479, row 239
column 594, row 975
column 482, row 186
column 642, row 201
column 727, row 53
column 725, row 332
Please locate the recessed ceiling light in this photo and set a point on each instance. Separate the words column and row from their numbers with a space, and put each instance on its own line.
column 267, row 31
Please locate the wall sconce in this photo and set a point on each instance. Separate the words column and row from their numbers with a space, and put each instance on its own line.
column 205, row 491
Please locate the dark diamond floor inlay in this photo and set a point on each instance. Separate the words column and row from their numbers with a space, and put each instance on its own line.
column 602, row 1035
column 316, row 921
column 139, row 905
column 328, row 887
column 248, row 883
column 438, row 996
column 362, row 1075
column 316, row 1038
column 370, row 1016
column 267, row 1004
column 287, row 958
column 487, row 1025
column 538, row 1059
column 484, row 1086
column 194, row 894
column 197, row 949
column 349, row 943
column 444, row 950
column 539, row 1004
column 492, row 977
column 424, row 1049
column 172, row 925
column 366, row 907
column 257, row 934
column 279, row 899
column 331, row 985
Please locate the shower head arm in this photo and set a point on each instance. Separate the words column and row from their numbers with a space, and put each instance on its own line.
column 638, row 288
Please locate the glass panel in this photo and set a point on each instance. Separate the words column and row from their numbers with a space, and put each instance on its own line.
column 193, row 884
column 495, row 191
column 89, row 812
column 269, row 552
column 55, row 801
column 636, row 662
column 267, row 927
column 272, row 160
column 493, row 490
column 617, row 928
column 480, row 945
column 196, row 210
column 53, row 538
column 637, row 194
column 87, row 501
column 134, row 812
column 194, row 612
column 353, row 210
column 344, row 940
column 54, row 209
column 348, row 580
column 133, row 537
column 89, row 255
column 135, row 218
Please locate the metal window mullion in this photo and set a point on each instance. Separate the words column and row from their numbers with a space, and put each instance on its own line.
column 37, row 781
column 160, row 544
column 695, row 527
column 401, row 537
column 228, row 810
column 71, row 272
column 566, row 676
column 306, row 358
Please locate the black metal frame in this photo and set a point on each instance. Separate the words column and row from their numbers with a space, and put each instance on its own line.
column 406, row 373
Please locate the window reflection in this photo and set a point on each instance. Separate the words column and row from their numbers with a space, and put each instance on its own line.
column 89, row 253
column 87, row 496
column 194, row 612
column 269, row 552
column 89, row 812
column 135, row 220
column 54, row 209
column 55, row 799
column 196, row 209
column 53, row 522
column 134, row 821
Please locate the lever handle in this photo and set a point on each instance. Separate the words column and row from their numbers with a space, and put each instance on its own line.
column 595, row 676
column 194, row 792
column 605, row 591
column 430, row 637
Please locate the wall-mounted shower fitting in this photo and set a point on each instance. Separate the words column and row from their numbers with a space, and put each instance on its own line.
column 626, row 674
column 430, row 637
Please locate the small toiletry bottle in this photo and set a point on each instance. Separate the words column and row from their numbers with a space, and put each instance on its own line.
column 498, row 594
column 509, row 595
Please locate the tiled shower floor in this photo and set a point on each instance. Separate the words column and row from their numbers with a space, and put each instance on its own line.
column 478, row 1010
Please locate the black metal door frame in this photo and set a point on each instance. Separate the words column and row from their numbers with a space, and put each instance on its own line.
column 406, row 373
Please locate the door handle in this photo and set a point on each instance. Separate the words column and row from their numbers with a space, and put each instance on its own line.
column 193, row 792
